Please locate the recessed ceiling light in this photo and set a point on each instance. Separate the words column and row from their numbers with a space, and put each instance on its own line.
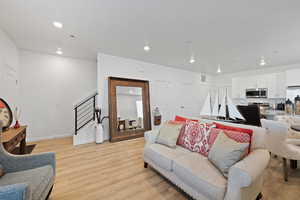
column 262, row 61
column 219, row 69
column 58, row 24
column 59, row 51
column 146, row 48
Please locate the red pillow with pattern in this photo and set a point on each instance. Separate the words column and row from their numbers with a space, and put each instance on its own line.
column 195, row 137
column 2, row 105
column 183, row 119
column 237, row 129
column 235, row 135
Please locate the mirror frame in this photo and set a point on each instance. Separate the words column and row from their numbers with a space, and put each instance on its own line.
column 116, row 135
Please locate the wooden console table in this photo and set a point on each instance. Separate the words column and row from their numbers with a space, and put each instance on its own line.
column 12, row 137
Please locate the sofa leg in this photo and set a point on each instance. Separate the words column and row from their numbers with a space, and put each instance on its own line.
column 48, row 195
column 285, row 170
column 145, row 165
column 259, row 196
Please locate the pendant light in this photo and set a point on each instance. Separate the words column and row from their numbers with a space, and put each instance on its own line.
column 219, row 69
column 191, row 52
column 59, row 51
column 262, row 61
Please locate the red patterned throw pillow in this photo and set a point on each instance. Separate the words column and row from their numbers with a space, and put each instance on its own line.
column 237, row 129
column 184, row 119
column 195, row 137
column 239, row 137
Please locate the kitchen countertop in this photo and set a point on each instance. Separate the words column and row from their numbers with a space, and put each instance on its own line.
column 273, row 112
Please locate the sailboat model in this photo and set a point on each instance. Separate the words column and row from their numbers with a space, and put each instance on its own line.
column 207, row 108
column 229, row 110
column 226, row 109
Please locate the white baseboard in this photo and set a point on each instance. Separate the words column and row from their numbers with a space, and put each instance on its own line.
column 39, row 138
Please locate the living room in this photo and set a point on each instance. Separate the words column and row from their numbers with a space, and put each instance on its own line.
column 149, row 99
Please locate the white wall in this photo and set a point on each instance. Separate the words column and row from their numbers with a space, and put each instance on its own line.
column 9, row 70
column 49, row 87
column 174, row 91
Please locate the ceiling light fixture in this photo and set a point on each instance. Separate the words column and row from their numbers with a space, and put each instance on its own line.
column 58, row 24
column 192, row 60
column 192, row 57
column 262, row 61
column 147, row 48
column 219, row 69
column 59, row 51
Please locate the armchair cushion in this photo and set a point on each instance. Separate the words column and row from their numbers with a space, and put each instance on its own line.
column 15, row 191
column 15, row 163
column 39, row 180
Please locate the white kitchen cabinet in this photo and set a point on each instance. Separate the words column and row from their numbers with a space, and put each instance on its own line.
column 275, row 83
column 281, row 85
column 239, row 85
column 292, row 77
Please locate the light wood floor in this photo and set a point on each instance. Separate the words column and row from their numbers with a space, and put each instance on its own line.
column 114, row 171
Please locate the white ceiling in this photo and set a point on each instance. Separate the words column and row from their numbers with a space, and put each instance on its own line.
column 234, row 33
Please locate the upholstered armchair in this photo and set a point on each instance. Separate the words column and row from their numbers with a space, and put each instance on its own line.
column 277, row 142
column 26, row 177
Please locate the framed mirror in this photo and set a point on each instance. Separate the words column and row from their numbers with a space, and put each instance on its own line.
column 129, row 108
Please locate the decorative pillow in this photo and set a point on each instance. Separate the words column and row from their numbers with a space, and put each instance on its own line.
column 1, row 171
column 176, row 122
column 184, row 119
column 225, row 152
column 168, row 134
column 237, row 129
column 237, row 136
column 195, row 137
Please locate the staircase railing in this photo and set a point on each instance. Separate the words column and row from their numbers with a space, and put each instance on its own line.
column 85, row 112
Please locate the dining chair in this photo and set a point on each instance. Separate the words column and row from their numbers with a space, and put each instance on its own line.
column 277, row 142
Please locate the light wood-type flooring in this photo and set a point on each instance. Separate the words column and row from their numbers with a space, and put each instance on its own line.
column 114, row 171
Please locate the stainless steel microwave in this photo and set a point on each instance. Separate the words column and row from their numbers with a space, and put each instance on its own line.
column 257, row 93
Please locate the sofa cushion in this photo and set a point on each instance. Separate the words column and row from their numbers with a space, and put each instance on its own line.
column 168, row 134
column 195, row 137
column 238, row 129
column 258, row 136
column 163, row 156
column 38, row 180
column 184, row 119
column 225, row 152
column 197, row 172
column 237, row 136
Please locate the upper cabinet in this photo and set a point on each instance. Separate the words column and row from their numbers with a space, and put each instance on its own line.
column 275, row 83
column 292, row 77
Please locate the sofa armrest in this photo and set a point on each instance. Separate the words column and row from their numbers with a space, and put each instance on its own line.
column 246, row 172
column 150, row 136
column 15, row 163
column 293, row 141
column 15, row 192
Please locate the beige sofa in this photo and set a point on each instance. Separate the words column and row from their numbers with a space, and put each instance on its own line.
column 200, row 179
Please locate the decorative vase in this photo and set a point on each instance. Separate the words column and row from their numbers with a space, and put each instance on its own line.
column 99, row 133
